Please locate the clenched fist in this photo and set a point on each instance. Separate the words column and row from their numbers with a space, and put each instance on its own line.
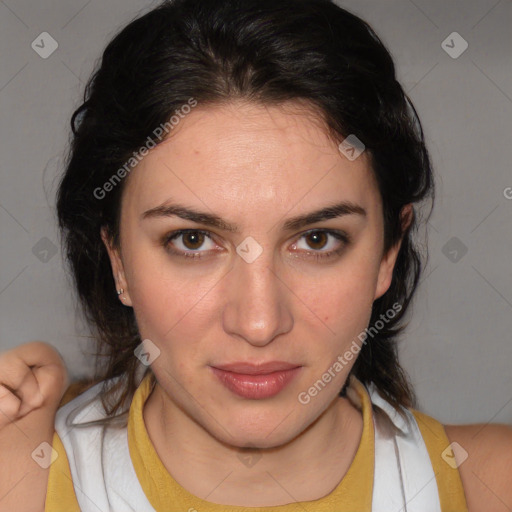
column 33, row 378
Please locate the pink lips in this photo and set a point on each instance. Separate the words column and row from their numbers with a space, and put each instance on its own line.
column 256, row 381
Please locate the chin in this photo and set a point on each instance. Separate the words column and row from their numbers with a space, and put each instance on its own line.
column 270, row 434
column 248, row 441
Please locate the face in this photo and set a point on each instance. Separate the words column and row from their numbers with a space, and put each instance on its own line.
column 252, row 279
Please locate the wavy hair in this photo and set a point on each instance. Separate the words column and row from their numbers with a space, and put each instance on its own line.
column 264, row 51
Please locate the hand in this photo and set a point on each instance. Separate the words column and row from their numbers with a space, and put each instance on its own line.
column 32, row 376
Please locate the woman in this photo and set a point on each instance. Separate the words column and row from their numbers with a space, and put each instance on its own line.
column 238, row 212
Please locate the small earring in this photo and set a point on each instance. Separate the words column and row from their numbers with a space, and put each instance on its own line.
column 120, row 292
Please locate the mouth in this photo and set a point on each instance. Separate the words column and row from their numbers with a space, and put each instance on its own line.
column 256, row 381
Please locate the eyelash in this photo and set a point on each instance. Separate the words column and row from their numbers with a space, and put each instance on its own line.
column 318, row 255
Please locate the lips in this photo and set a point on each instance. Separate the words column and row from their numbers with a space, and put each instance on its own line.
column 258, row 368
column 256, row 381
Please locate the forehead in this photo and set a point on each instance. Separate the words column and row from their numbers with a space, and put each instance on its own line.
column 253, row 157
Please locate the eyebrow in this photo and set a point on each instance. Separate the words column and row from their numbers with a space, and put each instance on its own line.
column 168, row 209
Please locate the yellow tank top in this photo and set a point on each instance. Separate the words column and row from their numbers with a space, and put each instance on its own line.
column 353, row 493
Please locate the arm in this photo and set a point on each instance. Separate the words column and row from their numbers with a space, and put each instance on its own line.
column 33, row 378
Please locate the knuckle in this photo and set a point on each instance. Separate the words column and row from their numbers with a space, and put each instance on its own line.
column 9, row 407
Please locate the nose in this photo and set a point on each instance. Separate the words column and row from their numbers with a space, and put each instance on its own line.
column 257, row 302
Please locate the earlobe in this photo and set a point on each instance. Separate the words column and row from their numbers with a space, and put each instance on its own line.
column 117, row 268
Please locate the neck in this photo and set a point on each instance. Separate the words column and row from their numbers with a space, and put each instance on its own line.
column 306, row 468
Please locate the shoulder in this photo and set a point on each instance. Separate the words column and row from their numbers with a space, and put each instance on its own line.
column 484, row 458
column 75, row 389
column 84, row 410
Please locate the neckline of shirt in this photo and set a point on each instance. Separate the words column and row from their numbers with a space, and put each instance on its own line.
column 354, row 491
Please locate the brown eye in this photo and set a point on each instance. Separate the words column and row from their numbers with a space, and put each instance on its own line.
column 317, row 239
column 322, row 243
column 193, row 240
column 190, row 243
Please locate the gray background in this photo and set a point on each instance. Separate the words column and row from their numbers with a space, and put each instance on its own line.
column 458, row 347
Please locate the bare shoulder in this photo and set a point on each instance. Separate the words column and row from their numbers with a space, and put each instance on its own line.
column 485, row 464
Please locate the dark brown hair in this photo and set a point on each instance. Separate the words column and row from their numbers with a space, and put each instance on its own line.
column 265, row 51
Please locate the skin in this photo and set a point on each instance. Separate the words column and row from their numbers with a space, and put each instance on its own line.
column 486, row 473
column 265, row 165
column 245, row 314
column 33, row 378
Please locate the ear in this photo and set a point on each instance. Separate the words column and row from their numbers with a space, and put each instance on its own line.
column 389, row 259
column 117, row 267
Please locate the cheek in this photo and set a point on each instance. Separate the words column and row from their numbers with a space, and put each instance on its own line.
column 175, row 318
column 342, row 298
column 169, row 303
